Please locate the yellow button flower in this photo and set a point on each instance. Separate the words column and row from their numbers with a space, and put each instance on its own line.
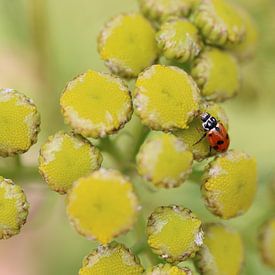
column 230, row 184
column 96, row 104
column 65, row 158
column 219, row 22
column 13, row 208
column 164, row 160
column 267, row 243
column 179, row 39
column 111, row 259
column 166, row 98
column 127, row 44
column 217, row 74
column 102, row 205
column 19, row 123
column 195, row 131
column 160, row 10
column 167, row 269
column 222, row 251
column 174, row 233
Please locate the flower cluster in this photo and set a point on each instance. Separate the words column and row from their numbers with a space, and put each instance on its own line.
column 184, row 56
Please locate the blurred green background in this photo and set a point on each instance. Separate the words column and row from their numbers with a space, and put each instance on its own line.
column 44, row 44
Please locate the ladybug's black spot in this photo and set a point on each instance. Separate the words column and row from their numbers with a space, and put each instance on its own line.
column 210, row 135
column 216, row 147
column 220, row 142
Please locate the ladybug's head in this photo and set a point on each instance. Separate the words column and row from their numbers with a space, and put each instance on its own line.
column 208, row 121
column 205, row 116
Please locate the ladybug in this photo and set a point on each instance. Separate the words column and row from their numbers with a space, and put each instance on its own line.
column 215, row 133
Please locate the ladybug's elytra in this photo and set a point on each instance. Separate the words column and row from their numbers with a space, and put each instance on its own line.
column 215, row 133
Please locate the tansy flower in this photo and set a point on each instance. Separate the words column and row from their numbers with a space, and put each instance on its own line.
column 179, row 39
column 174, row 233
column 160, row 10
column 64, row 158
column 217, row 74
column 111, row 259
column 13, row 208
column 127, row 44
column 96, row 104
column 222, row 251
column 166, row 98
column 230, row 184
column 219, row 22
column 102, row 205
column 19, row 123
column 164, row 160
column 167, row 269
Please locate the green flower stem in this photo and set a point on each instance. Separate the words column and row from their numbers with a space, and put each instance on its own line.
column 144, row 131
column 20, row 173
column 196, row 176
column 109, row 146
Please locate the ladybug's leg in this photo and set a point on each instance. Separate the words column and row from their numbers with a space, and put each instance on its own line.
column 210, row 149
column 200, row 139
column 199, row 129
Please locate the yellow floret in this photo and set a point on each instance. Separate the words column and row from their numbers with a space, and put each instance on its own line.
column 179, row 39
column 230, row 184
column 166, row 98
column 19, row 123
column 174, row 233
column 195, row 131
column 167, row 269
column 219, row 22
column 267, row 243
column 164, row 160
column 217, row 74
column 127, row 44
column 102, row 205
column 111, row 259
column 96, row 104
column 13, row 208
column 160, row 10
column 222, row 251
column 65, row 158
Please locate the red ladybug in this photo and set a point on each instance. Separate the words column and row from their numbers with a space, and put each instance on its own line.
column 215, row 132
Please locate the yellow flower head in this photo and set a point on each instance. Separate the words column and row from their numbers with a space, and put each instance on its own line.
column 179, row 39
column 219, row 22
column 174, row 233
column 19, row 123
column 160, row 10
column 247, row 48
column 65, row 158
column 111, row 259
column 267, row 242
column 102, row 205
column 166, row 98
column 222, row 251
column 96, row 104
column 195, row 131
column 164, row 160
column 217, row 74
column 127, row 44
column 230, row 184
column 167, row 269
column 13, row 208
